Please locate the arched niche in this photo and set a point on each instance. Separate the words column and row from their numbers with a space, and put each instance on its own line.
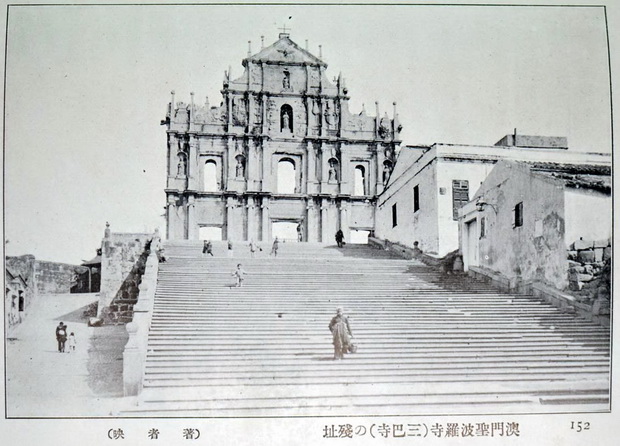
column 286, row 118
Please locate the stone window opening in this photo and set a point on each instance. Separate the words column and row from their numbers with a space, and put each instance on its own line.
column 394, row 216
column 286, row 118
column 287, row 178
column 210, row 174
column 518, row 211
column 416, row 198
column 360, row 181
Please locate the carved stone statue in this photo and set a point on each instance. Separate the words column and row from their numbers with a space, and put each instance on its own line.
column 286, row 81
column 286, row 121
column 332, row 174
column 240, row 168
column 182, row 166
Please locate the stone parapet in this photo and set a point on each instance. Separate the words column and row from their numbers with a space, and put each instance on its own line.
column 134, row 355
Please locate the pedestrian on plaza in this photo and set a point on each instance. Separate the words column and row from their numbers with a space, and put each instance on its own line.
column 341, row 333
column 253, row 248
column 340, row 238
column 71, row 343
column 230, row 248
column 239, row 274
column 300, row 232
column 61, row 336
column 207, row 248
column 161, row 255
column 274, row 247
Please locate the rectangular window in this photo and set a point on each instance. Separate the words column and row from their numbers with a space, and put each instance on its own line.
column 519, row 215
column 416, row 198
column 483, row 227
column 460, row 196
column 394, row 216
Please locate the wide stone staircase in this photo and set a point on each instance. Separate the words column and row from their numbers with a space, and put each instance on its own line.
column 428, row 343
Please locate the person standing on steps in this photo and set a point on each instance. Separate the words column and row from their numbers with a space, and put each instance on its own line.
column 207, row 248
column 253, row 247
column 230, row 249
column 239, row 274
column 341, row 333
column 340, row 238
column 274, row 247
column 61, row 336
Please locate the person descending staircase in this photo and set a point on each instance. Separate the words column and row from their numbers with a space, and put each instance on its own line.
column 427, row 343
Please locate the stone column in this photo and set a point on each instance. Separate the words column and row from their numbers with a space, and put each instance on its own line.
column 193, row 171
column 191, row 228
column 345, row 173
column 380, row 158
column 344, row 220
column 266, row 168
column 265, row 217
column 312, row 222
column 325, row 226
column 251, row 225
column 229, row 219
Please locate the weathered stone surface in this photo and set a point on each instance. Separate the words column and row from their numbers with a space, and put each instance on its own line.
column 581, row 245
column 572, row 255
column 585, row 277
column 572, row 264
column 598, row 254
column 601, row 243
column 586, row 256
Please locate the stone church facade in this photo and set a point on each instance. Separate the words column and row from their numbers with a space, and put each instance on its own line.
column 281, row 155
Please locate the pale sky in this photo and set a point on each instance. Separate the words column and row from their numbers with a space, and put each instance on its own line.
column 87, row 87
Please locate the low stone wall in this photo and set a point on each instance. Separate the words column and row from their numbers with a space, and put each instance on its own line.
column 123, row 260
column 405, row 252
column 55, row 278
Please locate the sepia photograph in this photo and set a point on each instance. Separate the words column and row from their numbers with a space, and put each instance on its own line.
column 295, row 223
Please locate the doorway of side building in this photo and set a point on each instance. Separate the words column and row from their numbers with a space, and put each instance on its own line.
column 213, row 233
column 470, row 254
column 285, row 230
column 359, row 236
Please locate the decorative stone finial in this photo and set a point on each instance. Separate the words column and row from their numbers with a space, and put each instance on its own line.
column 107, row 229
column 262, row 42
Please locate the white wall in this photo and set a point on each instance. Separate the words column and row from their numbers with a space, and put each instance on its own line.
column 588, row 215
column 473, row 171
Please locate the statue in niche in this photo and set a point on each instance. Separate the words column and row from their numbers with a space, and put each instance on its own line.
column 286, row 80
column 240, row 168
column 328, row 115
column 182, row 166
column 387, row 170
column 332, row 173
column 286, row 121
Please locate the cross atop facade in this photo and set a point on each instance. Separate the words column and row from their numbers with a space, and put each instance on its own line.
column 284, row 30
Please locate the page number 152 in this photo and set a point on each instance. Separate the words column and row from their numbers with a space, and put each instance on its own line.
column 580, row 425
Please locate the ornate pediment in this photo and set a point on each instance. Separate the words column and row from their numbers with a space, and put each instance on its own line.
column 286, row 51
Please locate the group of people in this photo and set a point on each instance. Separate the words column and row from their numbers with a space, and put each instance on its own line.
column 207, row 248
column 66, row 343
